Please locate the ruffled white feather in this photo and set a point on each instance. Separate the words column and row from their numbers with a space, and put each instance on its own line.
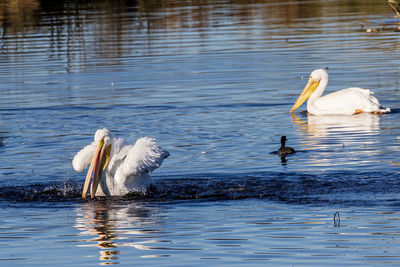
column 83, row 157
column 145, row 156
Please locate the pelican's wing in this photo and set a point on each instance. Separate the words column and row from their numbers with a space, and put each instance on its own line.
column 145, row 156
column 349, row 100
column 83, row 157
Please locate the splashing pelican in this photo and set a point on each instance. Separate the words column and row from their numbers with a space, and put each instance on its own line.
column 343, row 102
column 117, row 167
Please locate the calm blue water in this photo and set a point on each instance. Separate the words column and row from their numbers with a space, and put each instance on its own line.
column 213, row 82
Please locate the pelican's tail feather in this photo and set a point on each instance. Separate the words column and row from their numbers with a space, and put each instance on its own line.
column 369, row 102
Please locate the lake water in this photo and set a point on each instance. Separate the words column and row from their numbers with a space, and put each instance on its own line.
column 213, row 82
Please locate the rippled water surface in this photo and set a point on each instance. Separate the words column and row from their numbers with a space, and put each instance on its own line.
column 213, row 81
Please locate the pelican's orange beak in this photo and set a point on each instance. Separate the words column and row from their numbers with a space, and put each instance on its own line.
column 99, row 163
column 307, row 92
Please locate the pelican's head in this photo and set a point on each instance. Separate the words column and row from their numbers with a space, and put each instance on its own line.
column 100, row 160
column 313, row 83
column 102, row 134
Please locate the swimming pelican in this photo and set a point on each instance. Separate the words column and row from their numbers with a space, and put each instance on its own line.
column 118, row 168
column 284, row 150
column 343, row 102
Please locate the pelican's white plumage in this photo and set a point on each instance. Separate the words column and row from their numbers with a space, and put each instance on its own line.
column 348, row 101
column 121, row 168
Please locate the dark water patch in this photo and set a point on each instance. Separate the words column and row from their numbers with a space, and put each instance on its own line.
column 394, row 110
column 51, row 192
column 343, row 188
column 332, row 188
column 2, row 141
column 13, row 259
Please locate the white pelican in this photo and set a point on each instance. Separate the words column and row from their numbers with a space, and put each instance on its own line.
column 343, row 102
column 118, row 168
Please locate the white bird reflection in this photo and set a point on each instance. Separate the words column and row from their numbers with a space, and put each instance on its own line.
column 108, row 226
column 323, row 126
column 339, row 140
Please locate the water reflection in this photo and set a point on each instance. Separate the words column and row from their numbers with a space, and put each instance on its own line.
column 323, row 126
column 20, row 14
column 16, row 15
column 345, row 141
column 76, row 33
column 108, row 225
